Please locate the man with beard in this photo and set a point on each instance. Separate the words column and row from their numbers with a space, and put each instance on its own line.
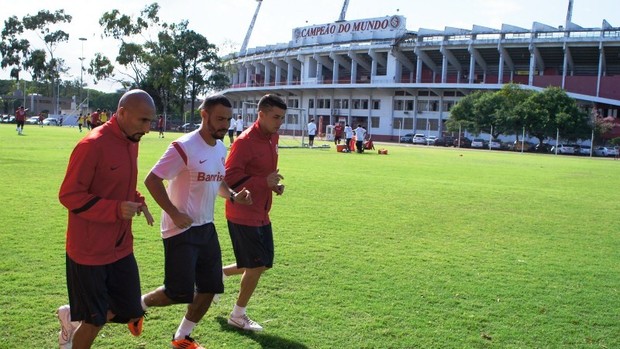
column 193, row 165
column 99, row 191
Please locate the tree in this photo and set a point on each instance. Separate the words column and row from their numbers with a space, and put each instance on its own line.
column 41, row 64
column 551, row 111
column 13, row 49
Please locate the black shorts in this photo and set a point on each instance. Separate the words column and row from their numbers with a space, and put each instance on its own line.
column 231, row 133
column 239, row 133
column 253, row 246
column 311, row 137
column 20, row 124
column 95, row 289
column 193, row 263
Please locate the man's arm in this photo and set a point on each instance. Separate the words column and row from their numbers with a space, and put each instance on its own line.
column 156, row 187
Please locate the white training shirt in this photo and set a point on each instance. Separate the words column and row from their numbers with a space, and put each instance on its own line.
column 239, row 124
column 195, row 171
column 311, row 128
column 348, row 131
column 360, row 133
column 232, row 124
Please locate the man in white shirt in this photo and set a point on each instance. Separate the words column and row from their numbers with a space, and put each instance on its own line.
column 239, row 125
column 348, row 135
column 360, row 135
column 193, row 165
column 231, row 130
column 311, row 132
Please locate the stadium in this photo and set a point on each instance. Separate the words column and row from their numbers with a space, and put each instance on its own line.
column 392, row 80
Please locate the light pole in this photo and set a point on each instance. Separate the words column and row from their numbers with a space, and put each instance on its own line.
column 82, row 72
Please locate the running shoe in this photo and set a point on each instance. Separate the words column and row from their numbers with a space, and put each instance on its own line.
column 185, row 343
column 136, row 327
column 244, row 322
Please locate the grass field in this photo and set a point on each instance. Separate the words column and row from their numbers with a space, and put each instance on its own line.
column 423, row 248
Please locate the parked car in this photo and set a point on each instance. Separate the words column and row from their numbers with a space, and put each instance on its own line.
column 418, row 139
column 584, row 150
column 445, row 141
column 33, row 120
column 51, row 121
column 408, row 138
column 462, row 142
column 188, row 126
column 8, row 119
column 564, row 149
column 606, row 151
column 495, row 144
column 527, row 146
column 478, row 143
column 543, row 148
column 430, row 140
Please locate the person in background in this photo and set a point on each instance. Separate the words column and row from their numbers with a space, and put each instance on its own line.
column 338, row 129
column 20, row 118
column 80, row 121
column 100, row 194
column 94, row 119
column 253, row 164
column 231, row 130
column 311, row 133
column 348, row 135
column 239, row 125
column 193, row 165
column 160, row 126
column 360, row 135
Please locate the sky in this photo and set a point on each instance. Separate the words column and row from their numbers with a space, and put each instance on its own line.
column 225, row 22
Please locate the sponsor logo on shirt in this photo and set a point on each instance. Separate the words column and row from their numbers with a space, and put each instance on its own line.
column 206, row 177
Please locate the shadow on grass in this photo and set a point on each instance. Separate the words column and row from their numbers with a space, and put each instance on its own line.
column 266, row 341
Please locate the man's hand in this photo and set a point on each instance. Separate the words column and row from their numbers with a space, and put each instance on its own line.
column 182, row 220
column 273, row 179
column 147, row 215
column 243, row 197
column 129, row 209
column 279, row 189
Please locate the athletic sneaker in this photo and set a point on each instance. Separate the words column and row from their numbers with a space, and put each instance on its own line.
column 244, row 322
column 67, row 327
column 136, row 327
column 185, row 343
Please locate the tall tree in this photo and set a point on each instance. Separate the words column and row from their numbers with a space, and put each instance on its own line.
column 13, row 48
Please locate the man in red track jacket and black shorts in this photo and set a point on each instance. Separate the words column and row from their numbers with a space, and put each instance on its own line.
column 99, row 190
column 253, row 164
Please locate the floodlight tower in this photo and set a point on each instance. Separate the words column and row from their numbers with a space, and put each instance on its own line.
column 82, row 72
column 569, row 13
column 343, row 12
column 244, row 46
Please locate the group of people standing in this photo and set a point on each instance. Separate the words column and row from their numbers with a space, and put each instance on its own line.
column 340, row 131
column 99, row 191
column 94, row 119
column 235, row 126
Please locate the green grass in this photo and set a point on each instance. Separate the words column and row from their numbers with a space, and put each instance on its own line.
column 424, row 248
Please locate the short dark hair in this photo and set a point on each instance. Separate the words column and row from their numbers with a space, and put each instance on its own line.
column 268, row 101
column 214, row 100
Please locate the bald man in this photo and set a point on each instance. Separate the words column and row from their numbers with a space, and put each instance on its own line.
column 99, row 191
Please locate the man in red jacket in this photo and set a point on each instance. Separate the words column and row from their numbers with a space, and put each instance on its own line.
column 99, row 190
column 253, row 164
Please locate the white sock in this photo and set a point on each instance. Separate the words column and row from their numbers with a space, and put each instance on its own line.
column 238, row 311
column 144, row 306
column 185, row 328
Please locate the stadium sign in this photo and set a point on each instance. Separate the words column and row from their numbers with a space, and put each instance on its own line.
column 364, row 29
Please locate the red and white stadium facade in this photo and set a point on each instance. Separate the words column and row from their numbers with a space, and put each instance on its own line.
column 392, row 80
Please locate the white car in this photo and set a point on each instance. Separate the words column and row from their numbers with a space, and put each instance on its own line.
column 584, row 150
column 495, row 144
column 33, row 120
column 430, row 140
column 606, row 151
column 564, row 149
column 477, row 143
column 51, row 121
column 418, row 139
